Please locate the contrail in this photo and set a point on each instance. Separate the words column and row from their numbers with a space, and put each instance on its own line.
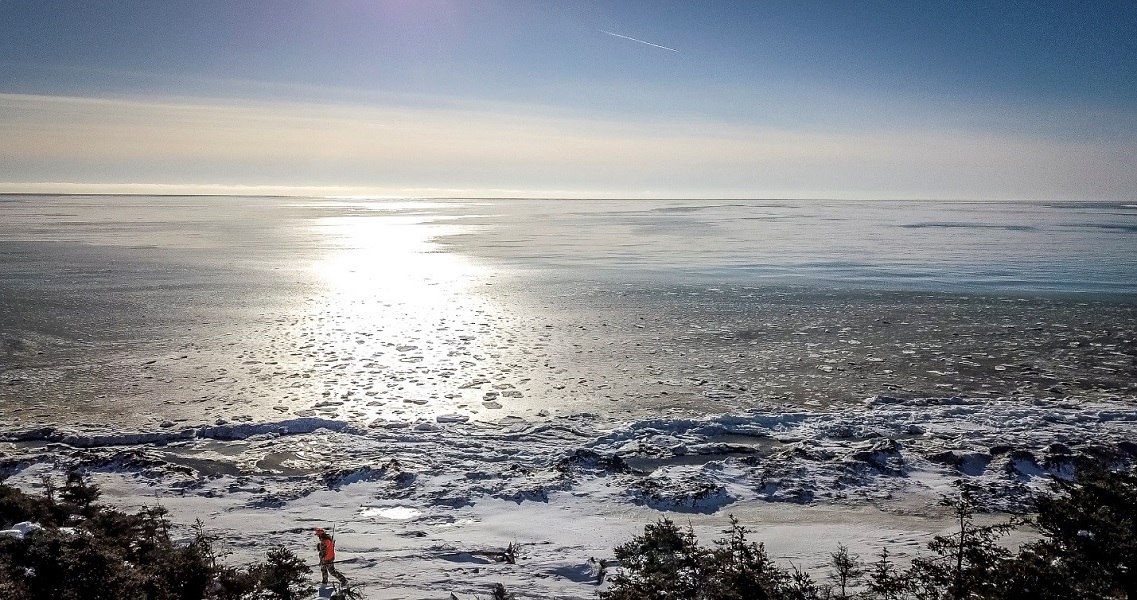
column 635, row 40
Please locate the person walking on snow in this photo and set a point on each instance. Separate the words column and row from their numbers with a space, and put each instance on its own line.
column 327, row 549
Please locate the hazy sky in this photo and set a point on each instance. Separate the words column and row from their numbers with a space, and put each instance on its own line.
column 935, row 99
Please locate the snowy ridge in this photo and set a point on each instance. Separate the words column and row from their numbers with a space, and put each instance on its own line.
column 891, row 446
column 861, row 455
column 94, row 437
column 890, row 416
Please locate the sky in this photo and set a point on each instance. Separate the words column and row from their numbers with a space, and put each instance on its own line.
column 939, row 99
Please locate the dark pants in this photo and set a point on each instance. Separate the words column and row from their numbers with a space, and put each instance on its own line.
column 330, row 567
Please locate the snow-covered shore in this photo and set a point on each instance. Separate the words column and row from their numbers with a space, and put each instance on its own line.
column 414, row 502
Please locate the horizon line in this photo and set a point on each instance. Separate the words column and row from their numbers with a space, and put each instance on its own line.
column 568, row 198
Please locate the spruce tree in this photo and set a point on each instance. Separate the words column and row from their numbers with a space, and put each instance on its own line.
column 965, row 564
column 847, row 570
column 664, row 562
column 1089, row 537
column 741, row 570
column 884, row 581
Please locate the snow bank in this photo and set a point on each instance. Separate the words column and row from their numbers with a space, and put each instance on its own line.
column 418, row 491
column 21, row 529
column 96, row 437
column 888, row 446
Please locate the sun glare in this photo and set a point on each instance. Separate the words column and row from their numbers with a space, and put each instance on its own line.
column 392, row 257
column 395, row 317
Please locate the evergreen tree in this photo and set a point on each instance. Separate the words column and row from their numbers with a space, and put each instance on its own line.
column 111, row 555
column 965, row 564
column 799, row 586
column 667, row 562
column 847, row 570
column 885, row 582
column 79, row 493
column 282, row 575
column 741, row 570
column 1089, row 539
column 664, row 562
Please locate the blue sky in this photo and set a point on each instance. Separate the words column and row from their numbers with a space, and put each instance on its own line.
column 761, row 99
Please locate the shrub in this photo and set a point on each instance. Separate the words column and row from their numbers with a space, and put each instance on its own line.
column 1089, row 540
column 668, row 562
column 282, row 575
column 1087, row 550
column 663, row 562
column 500, row 593
column 111, row 555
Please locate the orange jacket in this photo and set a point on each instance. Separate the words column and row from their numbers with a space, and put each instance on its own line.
column 327, row 549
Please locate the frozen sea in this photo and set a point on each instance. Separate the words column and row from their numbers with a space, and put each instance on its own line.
column 357, row 358
column 228, row 308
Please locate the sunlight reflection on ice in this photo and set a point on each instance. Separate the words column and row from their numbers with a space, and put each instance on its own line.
column 392, row 258
column 395, row 317
column 397, row 513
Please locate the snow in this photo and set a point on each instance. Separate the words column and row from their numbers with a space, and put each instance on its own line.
column 398, row 513
column 21, row 529
column 420, row 507
column 441, row 550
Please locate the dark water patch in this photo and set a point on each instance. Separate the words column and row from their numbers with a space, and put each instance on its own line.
column 1107, row 227
column 1088, row 205
column 697, row 208
column 960, row 225
column 204, row 466
column 765, row 218
column 648, row 464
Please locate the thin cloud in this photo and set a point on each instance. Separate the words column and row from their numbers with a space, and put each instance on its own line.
column 398, row 150
column 637, row 40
